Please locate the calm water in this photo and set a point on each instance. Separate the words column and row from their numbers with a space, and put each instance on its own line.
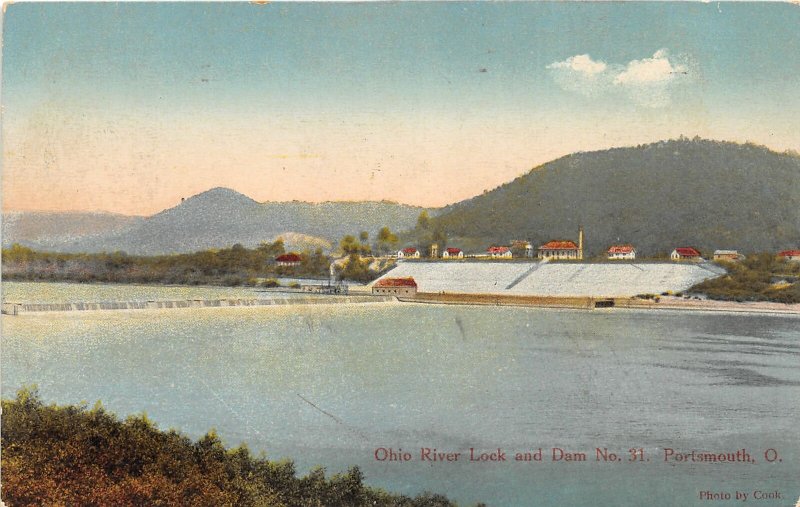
column 449, row 377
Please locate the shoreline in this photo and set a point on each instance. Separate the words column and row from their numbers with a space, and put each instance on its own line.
column 590, row 303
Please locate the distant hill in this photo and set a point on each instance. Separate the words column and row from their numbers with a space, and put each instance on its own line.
column 222, row 217
column 46, row 230
column 683, row 192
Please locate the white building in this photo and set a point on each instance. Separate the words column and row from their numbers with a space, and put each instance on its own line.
column 685, row 253
column 453, row 253
column 622, row 252
column 726, row 255
column 499, row 252
column 408, row 253
column 563, row 249
column 790, row 255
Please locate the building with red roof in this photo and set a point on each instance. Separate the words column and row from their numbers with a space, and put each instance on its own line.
column 499, row 252
column 790, row 255
column 622, row 252
column 395, row 286
column 563, row 249
column 453, row 253
column 290, row 259
column 727, row 255
column 408, row 253
column 686, row 253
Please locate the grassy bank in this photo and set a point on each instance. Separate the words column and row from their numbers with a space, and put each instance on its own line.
column 68, row 455
column 761, row 277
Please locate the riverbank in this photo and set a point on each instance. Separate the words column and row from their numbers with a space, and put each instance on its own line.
column 589, row 303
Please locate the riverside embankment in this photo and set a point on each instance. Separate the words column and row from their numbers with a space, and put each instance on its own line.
column 588, row 303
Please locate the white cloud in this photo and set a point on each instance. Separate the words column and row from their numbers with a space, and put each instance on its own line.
column 650, row 70
column 581, row 74
column 580, row 63
column 648, row 82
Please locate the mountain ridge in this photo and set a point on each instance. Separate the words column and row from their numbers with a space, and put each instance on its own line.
column 710, row 194
column 680, row 192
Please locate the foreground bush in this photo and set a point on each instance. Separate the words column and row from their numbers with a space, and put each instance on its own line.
column 69, row 455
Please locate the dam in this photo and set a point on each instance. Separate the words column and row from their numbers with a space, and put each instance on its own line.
column 17, row 308
column 555, row 279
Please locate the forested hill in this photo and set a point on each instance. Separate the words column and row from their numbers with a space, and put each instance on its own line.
column 700, row 193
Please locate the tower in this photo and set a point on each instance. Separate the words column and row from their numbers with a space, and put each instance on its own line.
column 434, row 251
column 580, row 243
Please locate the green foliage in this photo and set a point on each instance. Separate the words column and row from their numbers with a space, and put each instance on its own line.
column 760, row 277
column 387, row 241
column 424, row 221
column 67, row 455
column 427, row 233
column 357, row 269
column 349, row 245
column 228, row 266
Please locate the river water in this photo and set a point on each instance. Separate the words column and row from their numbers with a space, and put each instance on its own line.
column 330, row 385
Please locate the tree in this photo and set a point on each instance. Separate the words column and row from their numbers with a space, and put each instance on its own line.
column 271, row 250
column 423, row 221
column 363, row 236
column 349, row 245
column 387, row 240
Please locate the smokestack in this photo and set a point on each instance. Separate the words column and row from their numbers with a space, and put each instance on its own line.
column 580, row 242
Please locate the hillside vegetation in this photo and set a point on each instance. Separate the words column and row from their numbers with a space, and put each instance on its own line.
column 760, row 277
column 69, row 455
column 706, row 194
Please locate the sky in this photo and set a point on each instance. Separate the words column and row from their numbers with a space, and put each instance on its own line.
column 129, row 107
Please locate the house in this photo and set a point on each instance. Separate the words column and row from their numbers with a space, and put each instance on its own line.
column 522, row 246
column 622, row 252
column 559, row 249
column 453, row 253
column 290, row 259
column 563, row 249
column 790, row 255
column 726, row 255
column 395, row 287
column 499, row 252
column 408, row 253
column 685, row 253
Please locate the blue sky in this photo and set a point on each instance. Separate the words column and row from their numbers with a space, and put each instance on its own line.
column 425, row 103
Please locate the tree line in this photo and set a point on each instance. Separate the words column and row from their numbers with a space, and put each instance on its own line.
column 232, row 266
